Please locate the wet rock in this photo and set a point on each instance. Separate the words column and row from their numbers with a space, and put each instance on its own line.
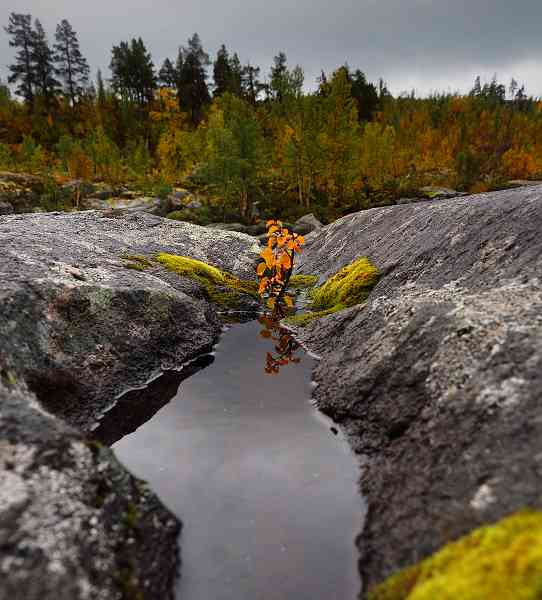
column 437, row 378
column 78, row 329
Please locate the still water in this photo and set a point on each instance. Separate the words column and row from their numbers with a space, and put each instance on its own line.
column 265, row 488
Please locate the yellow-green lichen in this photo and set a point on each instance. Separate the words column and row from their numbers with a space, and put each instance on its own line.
column 223, row 289
column 495, row 562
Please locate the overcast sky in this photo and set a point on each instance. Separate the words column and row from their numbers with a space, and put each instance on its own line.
column 425, row 45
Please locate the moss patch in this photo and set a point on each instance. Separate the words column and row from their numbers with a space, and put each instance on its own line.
column 138, row 258
column 495, row 562
column 350, row 286
column 302, row 281
column 136, row 262
column 223, row 289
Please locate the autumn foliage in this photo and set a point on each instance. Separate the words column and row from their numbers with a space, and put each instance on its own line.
column 275, row 268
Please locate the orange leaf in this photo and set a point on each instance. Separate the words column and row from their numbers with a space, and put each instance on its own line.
column 286, row 261
column 267, row 255
column 289, row 301
column 261, row 269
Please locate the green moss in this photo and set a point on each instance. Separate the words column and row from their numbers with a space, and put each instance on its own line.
column 131, row 516
column 138, row 258
column 135, row 266
column 350, row 286
column 305, row 318
column 302, row 281
column 495, row 562
column 222, row 288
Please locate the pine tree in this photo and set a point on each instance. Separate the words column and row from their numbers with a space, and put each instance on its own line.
column 235, row 83
column 72, row 67
column 100, row 94
column 251, row 85
column 192, row 86
column 277, row 77
column 42, row 58
column 221, row 72
column 167, row 76
column 133, row 72
column 365, row 94
column 22, row 71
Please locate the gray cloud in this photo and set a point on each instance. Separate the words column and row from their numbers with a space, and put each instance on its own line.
column 422, row 44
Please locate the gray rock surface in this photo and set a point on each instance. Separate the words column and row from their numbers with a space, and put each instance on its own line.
column 306, row 224
column 438, row 378
column 77, row 330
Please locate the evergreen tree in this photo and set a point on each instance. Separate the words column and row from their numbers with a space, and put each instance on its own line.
column 133, row 72
column 365, row 94
column 251, row 85
column 221, row 72
column 22, row 71
column 42, row 59
column 235, row 83
column 167, row 76
column 277, row 77
column 72, row 67
column 100, row 94
column 192, row 85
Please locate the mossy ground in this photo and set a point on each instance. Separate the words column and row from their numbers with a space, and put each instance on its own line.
column 350, row 286
column 495, row 562
column 224, row 289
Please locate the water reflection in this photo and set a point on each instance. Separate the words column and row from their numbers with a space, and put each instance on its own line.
column 285, row 347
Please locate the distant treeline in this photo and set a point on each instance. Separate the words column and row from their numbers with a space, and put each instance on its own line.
column 221, row 128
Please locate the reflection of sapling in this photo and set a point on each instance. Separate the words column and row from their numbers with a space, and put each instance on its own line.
column 275, row 269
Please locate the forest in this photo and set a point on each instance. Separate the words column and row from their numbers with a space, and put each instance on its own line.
column 241, row 139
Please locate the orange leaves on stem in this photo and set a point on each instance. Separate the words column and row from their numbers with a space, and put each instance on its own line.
column 277, row 264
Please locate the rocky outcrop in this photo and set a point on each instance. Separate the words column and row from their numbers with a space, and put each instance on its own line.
column 437, row 378
column 85, row 316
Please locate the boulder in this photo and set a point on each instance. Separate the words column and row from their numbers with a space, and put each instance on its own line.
column 239, row 227
column 437, row 192
column 437, row 378
column 306, row 224
column 177, row 199
column 21, row 190
column 79, row 328
column 147, row 204
column 6, row 208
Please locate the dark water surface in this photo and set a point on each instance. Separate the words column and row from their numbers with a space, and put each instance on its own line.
column 266, row 491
